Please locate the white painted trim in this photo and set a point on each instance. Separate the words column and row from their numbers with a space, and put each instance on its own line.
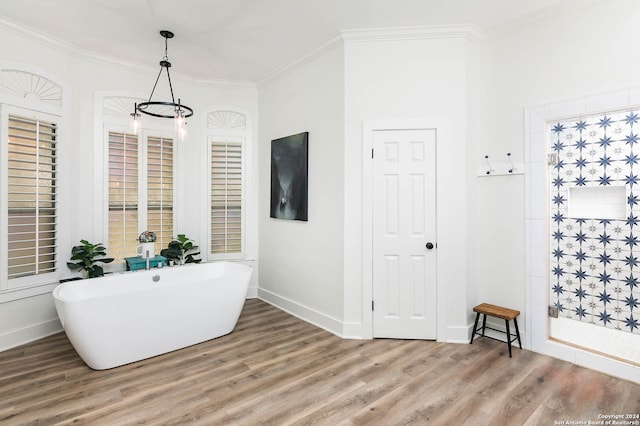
column 18, row 293
column 101, row 156
column 246, row 135
column 326, row 322
column 25, row 335
column 302, row 60
column 535, row 18
column 62, row 199
column 442, row 127
column 467, row 31
column 352, row 330
column 30, row 33
column 62, row 114
column 459, row 334
column 102, row 124
column 36, row 105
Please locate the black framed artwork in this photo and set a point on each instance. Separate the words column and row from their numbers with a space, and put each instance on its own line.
column 289, row 177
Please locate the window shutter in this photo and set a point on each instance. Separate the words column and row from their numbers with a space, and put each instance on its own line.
column 31, row 203
column 160, row 189
column 123, row 194
column 226, row 197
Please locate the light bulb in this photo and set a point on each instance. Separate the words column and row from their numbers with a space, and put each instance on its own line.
column 135, row 124
column 182, row 131
column 179, row 119
column 179, row 122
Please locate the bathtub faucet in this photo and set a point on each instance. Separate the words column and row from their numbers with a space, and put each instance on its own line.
column 146, row 266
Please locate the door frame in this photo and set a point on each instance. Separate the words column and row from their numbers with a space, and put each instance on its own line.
column 441, row 126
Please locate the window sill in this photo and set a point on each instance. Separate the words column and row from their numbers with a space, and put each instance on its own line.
column 12, row 294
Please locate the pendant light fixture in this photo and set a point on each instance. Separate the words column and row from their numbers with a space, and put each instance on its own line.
column 163, row 109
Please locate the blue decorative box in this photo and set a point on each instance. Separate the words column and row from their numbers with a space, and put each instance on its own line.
column 137, row 262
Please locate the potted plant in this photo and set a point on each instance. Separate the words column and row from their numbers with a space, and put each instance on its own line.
column 181, row 250
column 86, row 256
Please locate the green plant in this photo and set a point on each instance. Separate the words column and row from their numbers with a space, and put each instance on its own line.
column 86, row 256
column 181, row 250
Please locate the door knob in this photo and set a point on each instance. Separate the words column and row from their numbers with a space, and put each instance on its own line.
column 429, row 246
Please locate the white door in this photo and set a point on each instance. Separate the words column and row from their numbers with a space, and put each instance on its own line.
column 404, row 233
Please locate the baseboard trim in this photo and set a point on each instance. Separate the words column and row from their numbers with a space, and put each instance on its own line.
column 305, row 313
column 252, row 293
column 29, row 334
column 459, row 334
column 352, row 330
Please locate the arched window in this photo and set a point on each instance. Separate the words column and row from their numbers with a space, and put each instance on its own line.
column 227, row 135
column 30, row 140
column 139, row 178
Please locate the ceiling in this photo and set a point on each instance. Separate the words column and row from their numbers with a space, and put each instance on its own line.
column 249, row 39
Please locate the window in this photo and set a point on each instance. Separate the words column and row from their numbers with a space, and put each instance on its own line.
column 140, row 191
column 32, row 192
column 160, row 189
column 34, row 159
column 123, row 194
column 226, row 197
column 228, row 133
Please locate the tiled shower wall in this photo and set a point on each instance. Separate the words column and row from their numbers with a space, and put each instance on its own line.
column 594, row 169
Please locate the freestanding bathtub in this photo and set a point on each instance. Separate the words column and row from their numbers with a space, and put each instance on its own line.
column 122, row 318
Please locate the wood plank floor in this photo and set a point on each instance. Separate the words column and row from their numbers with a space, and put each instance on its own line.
column 275, row 369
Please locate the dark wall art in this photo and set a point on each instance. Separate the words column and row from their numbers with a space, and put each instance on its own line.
column 289, row 171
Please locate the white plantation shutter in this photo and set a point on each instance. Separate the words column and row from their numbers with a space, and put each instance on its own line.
column 160, row 189
column 226, row 197
column 141, row 191
column 31, row 203
column 123, row 195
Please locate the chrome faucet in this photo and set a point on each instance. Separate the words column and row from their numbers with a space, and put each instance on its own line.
column 146, row 266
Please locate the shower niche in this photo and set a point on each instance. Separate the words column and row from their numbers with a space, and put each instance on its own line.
column 601, row 202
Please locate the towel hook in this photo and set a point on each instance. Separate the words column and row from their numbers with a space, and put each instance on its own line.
column 512, row 169
column 489, row 169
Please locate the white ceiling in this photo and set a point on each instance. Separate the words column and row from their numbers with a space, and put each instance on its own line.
column 249, row 39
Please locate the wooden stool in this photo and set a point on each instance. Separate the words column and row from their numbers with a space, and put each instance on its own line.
column 498, row 312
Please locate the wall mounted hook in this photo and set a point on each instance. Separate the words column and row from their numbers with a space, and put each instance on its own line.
column 512, row 168
column 504, row 168
column 489, row 169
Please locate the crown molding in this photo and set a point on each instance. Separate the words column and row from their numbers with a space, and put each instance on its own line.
column 467, row 31
column 326, row 47
column 544, row 16
column 32, row 34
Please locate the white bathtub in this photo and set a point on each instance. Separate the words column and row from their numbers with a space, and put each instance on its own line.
column 122, row 318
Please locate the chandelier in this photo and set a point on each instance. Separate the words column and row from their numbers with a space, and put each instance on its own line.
column 163, row 109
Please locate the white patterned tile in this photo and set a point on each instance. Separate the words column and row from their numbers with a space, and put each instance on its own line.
column 596, row 258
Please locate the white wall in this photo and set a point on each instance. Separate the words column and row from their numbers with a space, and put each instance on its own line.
column 422, row 77
column 30, row 315
column 475, row 77
column 301, row 263
column 589, row 52
column 565, row 58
